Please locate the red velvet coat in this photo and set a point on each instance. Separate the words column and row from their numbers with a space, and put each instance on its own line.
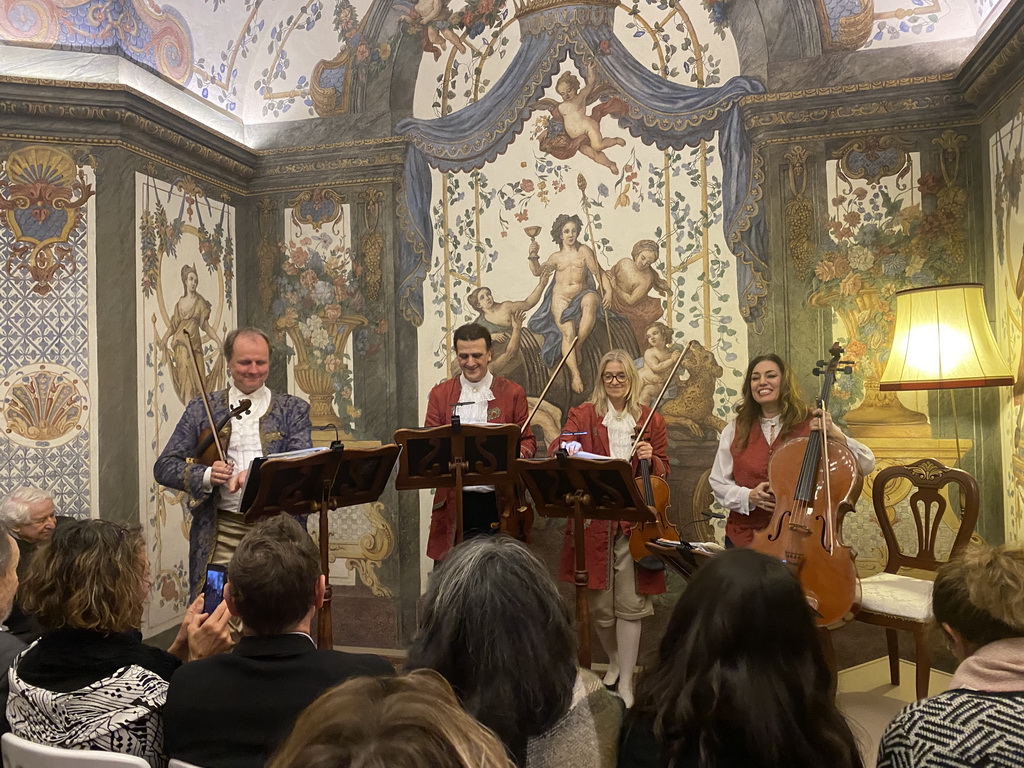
column 507, row 407
column 599, row 535
column 750, row 469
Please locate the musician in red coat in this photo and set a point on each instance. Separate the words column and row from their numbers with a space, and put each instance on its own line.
column 771, row 412
column 483, row 398
column 619, row 590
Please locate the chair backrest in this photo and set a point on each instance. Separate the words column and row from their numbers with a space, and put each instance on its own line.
column 21, row 753
column 928, row 506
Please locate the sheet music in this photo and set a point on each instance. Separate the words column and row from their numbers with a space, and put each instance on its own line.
column 589, row 455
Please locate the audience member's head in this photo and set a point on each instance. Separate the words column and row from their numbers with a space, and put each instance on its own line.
column 275, row 581
column 28, row 513
column 741, row 669
column 93, row 574
column 979, row 597
column 412, row 721
column 9, row 557
column 495, row 626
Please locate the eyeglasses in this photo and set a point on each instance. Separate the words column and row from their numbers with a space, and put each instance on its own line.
column 610, row 377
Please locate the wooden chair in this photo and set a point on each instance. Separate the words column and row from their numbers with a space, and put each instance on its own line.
column 898, row 602
column 21, row 753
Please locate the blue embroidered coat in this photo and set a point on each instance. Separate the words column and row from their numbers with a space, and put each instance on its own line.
column 284, row 427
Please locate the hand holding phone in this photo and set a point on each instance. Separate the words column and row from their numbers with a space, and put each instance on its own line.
column 213, row 593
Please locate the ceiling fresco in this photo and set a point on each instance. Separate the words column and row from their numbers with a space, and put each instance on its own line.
column 265, row 61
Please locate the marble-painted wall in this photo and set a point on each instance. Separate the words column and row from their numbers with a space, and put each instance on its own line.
column 48, row 392
column 185, row 272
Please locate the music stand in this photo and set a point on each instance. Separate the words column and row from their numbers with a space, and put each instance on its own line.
column 457, row 455
column 681, row 556
column 361, row 479
column 581, row 489
column 318, row 482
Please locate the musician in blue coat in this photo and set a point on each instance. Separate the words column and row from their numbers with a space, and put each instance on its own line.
column 275, row 423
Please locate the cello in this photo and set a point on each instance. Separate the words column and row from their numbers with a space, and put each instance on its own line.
column 656, row 495
column 815, row 482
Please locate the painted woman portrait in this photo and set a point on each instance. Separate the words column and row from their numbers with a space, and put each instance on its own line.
column 192, row 315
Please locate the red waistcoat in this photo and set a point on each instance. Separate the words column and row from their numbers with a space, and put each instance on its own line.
column 750, row 469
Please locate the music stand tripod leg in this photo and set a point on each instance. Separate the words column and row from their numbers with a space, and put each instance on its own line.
column 457, row 465
column 581, row 578
column 325, row 622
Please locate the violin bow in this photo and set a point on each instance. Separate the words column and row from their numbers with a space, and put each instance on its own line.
column 206, row 398
column 547, row 386
column 654, row 406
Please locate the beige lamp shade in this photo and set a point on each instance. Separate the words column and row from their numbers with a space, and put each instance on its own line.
column 943, row 340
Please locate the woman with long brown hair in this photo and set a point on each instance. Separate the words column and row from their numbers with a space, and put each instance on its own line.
column 740, row 679
column 771, row 411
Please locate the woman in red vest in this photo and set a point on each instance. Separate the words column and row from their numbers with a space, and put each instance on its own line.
column 619, row 591
column 772, row 411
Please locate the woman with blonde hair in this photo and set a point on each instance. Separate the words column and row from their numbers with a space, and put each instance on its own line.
column 89, row 682
column 619, row 591
column 413, row 721
column 771, row 411
column 978, row 601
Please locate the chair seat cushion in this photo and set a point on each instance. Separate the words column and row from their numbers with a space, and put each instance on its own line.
column 893, row 595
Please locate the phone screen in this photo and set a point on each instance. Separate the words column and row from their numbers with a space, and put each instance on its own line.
column 214, row 591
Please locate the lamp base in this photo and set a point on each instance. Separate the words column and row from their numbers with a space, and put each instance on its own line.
column 887, row 419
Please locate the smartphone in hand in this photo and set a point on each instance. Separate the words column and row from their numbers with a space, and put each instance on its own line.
column 213, row 593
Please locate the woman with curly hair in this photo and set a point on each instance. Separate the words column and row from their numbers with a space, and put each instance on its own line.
column 978, row 601
column 89, row 682
column 771, row 411
column 494, row 625
column 740, row 680
column 413, row 721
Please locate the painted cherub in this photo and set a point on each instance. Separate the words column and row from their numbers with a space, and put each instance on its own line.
column 435, row 19
column 574, row 129
column 632, row 280
column 659, row 358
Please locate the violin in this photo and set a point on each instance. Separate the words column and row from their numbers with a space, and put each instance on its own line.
column 209, row 448
column 816, row 481
column 656, row 496
column 206, row 452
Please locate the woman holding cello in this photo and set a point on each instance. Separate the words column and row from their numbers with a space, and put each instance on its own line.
column 771, row 411
column 619, row 591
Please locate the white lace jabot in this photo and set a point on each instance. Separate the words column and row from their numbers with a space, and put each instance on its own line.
column 620, row 425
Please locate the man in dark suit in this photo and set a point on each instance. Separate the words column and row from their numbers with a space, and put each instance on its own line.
column 232, row 710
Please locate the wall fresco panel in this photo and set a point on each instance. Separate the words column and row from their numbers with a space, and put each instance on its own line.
column 185, row 274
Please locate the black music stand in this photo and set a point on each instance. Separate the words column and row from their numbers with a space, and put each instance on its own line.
column 581, row 489
column 318, row 482
column 681, row 556
column 457, row 455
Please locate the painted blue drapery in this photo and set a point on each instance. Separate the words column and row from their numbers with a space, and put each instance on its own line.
column 660, row 113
